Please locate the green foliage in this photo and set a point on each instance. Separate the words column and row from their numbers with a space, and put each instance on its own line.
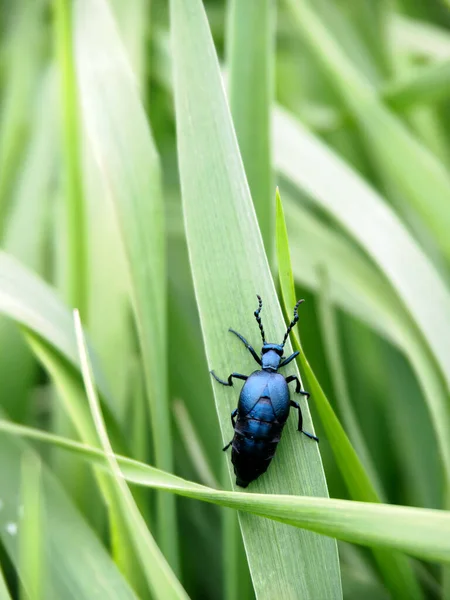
column 132, row 189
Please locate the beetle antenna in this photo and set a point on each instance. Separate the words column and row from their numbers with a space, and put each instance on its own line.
column 258, row 318
column 293, row 322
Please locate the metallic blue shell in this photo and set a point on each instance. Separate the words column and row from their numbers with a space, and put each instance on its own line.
column 264, row 384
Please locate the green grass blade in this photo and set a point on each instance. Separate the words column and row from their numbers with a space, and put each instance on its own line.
column 193, row 445
column 24, row 238
column 71, row 574
column 4, row 592
column 29, row 301
column 397, row 572
column 75, row 210
column 419, row 38
column 160, row 577
column 229, row 267
column 71, row 394
column 127, row 158
column 422, row 532
column 425, row 85
column 24, row 38
column 250, row 54
column 31, row 532
column 333, row 351
column 401, row 158
column 303, row 159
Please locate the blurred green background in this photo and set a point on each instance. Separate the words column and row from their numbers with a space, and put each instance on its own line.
column 344, row 104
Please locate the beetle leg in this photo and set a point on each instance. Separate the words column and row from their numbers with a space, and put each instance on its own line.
column 287, row 360
column 300, row 422
column 298, row 388
column 227, row 446
column 229, row 381
column 247, row 345
column 233, row 418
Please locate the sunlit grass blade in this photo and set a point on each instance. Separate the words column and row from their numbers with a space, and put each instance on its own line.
column 70, row 573
column 398, row 574
column 250, row 55
column 32, row 565
column 302, row 158
column 75, row 210
column 229, row 268
column 123, row 147
column 421, row 532
column 421, row 39
column 159, row 575
column 417, row 174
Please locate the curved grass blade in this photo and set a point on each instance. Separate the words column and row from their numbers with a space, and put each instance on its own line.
column 71, row 574
column 229, row 268
column 421, row 532
column 333, row 352
column 303, row 159
column 417, row 173
column 159, row 575
column 123, row 146
column 395, row 568
column 25, row 238
column 250, row 54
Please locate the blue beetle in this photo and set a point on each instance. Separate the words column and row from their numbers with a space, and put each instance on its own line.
column 263, row 407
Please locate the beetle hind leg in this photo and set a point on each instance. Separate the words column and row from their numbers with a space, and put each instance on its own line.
column 300, row 422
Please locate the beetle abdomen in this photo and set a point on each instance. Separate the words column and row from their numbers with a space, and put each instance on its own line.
column 255, row 440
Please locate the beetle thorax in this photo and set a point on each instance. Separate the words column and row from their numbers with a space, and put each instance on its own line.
column 271, row 356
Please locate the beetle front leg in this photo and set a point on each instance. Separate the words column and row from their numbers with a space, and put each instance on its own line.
column 298, row 387
column 229, row 382
column 247, row 345
column 300, row 422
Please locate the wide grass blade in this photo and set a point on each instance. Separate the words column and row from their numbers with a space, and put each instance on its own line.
column 421, row 532
column 303, row 159
column 159, row 575
column 250, row 55
column 123, row 147
column 229, row 268
column 397, row 573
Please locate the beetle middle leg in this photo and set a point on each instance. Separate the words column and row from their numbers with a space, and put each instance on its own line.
column 300, row 422
column 233, row 423
column 298, row 387
column 229, row 381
